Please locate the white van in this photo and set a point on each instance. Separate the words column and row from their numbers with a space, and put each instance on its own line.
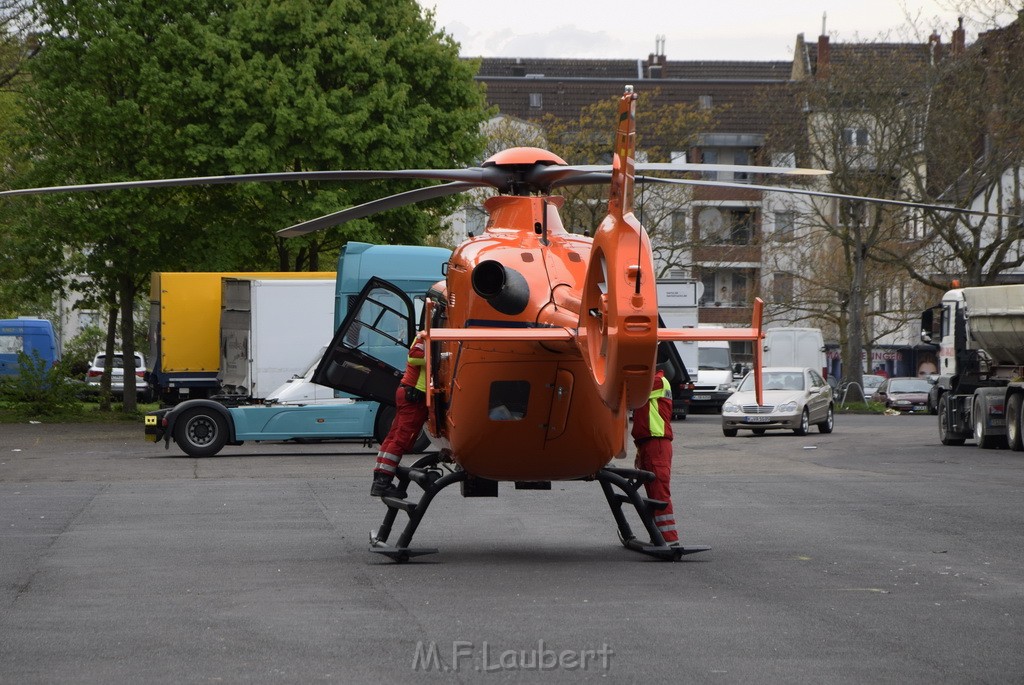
column 795, row 347
column 714, row 381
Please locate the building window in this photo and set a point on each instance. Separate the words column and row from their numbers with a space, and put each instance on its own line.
column 739, row 288
column 709, row 157
column 741, row 226
column 741, row 157
column 678, row 231
column 536, row 100
column 782, row 288
column 705, row 102
column 784, row 222
column 855, row 137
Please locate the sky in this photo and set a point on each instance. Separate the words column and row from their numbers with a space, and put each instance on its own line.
column 692, row 30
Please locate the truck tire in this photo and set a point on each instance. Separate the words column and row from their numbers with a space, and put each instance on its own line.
column 200, row 432
column 1014, row 438
column 981, row 435
column 946, row 437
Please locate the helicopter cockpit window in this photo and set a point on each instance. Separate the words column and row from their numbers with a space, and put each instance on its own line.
column 508, row 400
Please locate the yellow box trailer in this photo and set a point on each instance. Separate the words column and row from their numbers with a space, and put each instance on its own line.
column 184, row 329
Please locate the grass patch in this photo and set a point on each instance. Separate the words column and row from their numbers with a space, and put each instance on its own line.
column 84, row 412
column 861, row 408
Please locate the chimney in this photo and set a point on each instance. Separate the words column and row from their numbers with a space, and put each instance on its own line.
column 823, row 51
column 935, row 48
column 823, row 58
column 958, row 39
column 656, row 61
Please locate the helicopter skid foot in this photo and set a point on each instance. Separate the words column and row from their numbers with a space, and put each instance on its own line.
column 629, row 481
column 666, row 552
column 398, row 554
column 425, row 475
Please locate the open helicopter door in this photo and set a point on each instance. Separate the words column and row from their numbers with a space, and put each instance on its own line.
column 371, row 345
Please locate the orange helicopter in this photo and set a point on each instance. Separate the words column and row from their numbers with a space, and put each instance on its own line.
column 540, row 341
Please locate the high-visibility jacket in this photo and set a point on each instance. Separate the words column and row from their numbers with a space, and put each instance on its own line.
column 414, row 376
column 654, row 419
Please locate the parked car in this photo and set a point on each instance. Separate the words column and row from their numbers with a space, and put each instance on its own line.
column 871, row 383
column 95, row 374
column 904, row 393
column 794, row 399
column 934, row 391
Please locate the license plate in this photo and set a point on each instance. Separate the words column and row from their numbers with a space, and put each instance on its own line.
column 757, row 419
column 701, row 397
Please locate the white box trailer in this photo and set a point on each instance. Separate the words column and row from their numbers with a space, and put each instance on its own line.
column 270, row 329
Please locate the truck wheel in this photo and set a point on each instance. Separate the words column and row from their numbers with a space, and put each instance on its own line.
column 981, row 436
column 946, row 437
column 1013, row 428
column 805, row 424
column 200, row 432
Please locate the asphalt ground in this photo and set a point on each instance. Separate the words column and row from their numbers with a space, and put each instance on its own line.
column 871, row 555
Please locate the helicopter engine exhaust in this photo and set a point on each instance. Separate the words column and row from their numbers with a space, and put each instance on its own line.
column 505, row 289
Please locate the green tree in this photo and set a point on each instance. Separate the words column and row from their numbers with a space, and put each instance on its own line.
column 342, row 85
column 123, row 91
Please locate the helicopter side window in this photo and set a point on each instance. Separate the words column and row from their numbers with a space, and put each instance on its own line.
column 508, row 400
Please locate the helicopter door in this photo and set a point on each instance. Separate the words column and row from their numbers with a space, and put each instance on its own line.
column 371, row 345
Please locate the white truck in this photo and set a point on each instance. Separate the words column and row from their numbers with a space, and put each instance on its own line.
column 793, row 346
column 980, row 334
column 269, row 331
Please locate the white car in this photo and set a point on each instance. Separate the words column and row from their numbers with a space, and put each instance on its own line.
column 95, row 374
column 794, row 399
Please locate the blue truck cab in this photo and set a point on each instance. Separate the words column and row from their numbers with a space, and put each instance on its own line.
column 29, row 335
column 202, row 427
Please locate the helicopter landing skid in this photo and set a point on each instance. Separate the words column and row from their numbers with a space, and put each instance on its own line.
column 425, row 473
column 629, row 482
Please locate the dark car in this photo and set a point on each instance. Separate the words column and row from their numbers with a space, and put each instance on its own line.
column 904, row 394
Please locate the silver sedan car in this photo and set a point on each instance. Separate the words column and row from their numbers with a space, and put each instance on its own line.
column 794, row 399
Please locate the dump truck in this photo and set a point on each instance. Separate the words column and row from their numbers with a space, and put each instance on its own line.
column 980, row 335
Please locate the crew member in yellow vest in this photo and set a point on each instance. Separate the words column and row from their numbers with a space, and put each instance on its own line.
column 410, row 413
column 652, row 434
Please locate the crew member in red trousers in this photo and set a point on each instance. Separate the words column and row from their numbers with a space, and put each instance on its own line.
column 411, row 412
column 652, row 433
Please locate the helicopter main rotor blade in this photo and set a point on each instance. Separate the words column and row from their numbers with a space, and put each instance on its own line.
column 364, row 210
column 822, row 193
column 494, row 176
column 574, row 174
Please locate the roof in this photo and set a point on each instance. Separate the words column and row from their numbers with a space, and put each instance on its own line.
column 736, row 90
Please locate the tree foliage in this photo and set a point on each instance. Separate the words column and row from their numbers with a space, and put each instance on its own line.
column 127, row 90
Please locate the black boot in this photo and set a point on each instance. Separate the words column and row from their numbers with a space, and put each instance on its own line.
column 382, row 487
